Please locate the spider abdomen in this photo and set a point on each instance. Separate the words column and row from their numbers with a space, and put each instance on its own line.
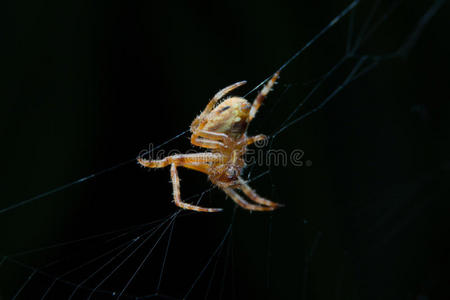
column 229, row 117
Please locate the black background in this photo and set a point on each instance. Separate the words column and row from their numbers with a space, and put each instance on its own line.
column 89, row 84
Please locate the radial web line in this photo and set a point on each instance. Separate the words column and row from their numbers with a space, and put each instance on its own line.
column 62, row 244
column 308, row 44
column 86, row 264
column 228, row 253
column 209, row 261
column 169, row 239
column 126, row 258
column 147, row 256
column 24, row 284
column 150, row 232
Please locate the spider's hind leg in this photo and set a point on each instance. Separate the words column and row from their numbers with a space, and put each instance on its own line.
column 177, row 197
column 241, row 202
column 262, row 95
column 244, row 187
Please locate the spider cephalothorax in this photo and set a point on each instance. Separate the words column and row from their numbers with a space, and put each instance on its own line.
column 221, row 128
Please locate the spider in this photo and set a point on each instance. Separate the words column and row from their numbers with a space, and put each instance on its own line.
column 221, row 128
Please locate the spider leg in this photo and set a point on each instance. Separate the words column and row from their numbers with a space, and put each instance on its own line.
column 210, row 139
column 176, row 194
column 241, row 202
column 244, row 187
column 196, row 161
column 204, row 168
column 259, row 99
column 181, row 160
column 205, row 143
column 212, row 135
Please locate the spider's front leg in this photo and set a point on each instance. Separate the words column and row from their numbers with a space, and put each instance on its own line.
column 259, row 99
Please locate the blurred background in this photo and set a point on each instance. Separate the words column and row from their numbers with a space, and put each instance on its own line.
column 89, row 84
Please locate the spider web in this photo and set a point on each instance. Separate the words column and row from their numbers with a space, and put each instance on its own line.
column 237, row 254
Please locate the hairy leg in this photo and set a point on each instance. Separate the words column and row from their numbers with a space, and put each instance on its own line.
column 262, row 94
column 204, row 143
column 177, row 197
column 244, row 187
column 241, row 202
column 212, row 140
column 181, row 160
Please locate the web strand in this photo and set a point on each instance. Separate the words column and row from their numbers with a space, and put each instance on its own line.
column 361, row 64
column 132, row 160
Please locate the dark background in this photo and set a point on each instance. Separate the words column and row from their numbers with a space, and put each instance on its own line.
column 89, row 84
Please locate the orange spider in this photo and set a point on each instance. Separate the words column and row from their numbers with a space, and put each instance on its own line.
column 222, row 129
